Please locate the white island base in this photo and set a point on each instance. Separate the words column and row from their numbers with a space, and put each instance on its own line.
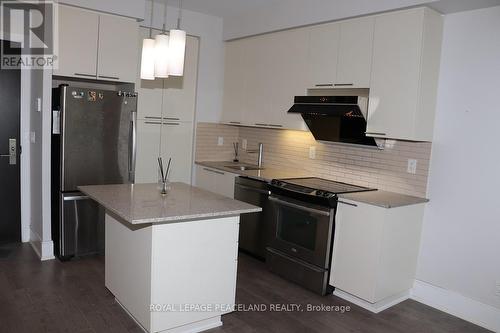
column 173, row 277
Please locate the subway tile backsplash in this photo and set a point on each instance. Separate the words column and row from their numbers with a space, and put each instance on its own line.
column 383, row 169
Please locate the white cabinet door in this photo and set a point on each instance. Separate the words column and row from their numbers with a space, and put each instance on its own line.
column 148, row 150
column 150, row 92
column 177, row 143
column 78, row 36
column 323, row 54
column 356, row 249
column 395, row 74
column 355, row 53
column 235, row 82
column 117, row 60
column 179, row 94
column 216, row 181
column 405, row 69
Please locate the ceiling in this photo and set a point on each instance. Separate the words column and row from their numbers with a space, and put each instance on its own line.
column 231, row 8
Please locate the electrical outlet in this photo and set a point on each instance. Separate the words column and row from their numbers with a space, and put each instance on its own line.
column 39, row 104
column 412, row 166
column 312, row 152
column 220, row 141
column 244, row 144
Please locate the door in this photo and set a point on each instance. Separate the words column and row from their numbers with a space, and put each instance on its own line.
column 323, row 55
column 301, row 230
column 177, row 143
column 78, row 31
column 117, row 59
column 97, row 137
column 10, row 176
column 148, row 150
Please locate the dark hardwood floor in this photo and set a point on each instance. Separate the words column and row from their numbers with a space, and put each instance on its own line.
column 70, row 297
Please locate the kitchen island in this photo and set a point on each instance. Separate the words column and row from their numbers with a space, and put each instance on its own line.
column 171, row 260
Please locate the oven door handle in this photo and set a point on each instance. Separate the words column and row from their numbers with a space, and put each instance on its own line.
column 300, row 207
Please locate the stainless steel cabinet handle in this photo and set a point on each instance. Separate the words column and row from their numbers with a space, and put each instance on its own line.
column 235, row 122
column 260, row 124
column 324, row 85
column 152, row 117
column 171, row 124
column 76, row 198
column 273, row 125
column 152, row 122
column 214, row 171
column 347, row 203
column 109, row 77
column 85, row 75
column 132, row 146
column 248, row 188
column 343, row 84
column 375, row 133
column 299, row 207
column 170, row 118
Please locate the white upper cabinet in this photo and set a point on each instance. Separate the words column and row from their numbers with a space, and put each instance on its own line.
column 355, row 53
column 405, row 69
column 234, row 83
column 78, row 35
column 323, row 55
column 117, row 55
column 262, row 76
column 177, row 95
column 96, row 46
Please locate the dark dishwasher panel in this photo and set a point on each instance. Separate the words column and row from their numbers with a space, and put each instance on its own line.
column 254, row 227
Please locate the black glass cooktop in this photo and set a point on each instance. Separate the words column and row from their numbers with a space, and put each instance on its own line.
column 311, row 184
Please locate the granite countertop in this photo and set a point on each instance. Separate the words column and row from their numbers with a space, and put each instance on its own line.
column 383, row 199
column 143, row 203
column 266, row 174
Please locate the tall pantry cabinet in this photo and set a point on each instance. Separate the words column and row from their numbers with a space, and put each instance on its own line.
column 165, row 113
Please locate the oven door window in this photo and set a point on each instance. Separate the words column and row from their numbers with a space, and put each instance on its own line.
column 297, row 227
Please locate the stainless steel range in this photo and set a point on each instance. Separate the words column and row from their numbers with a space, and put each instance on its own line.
column 303, row 223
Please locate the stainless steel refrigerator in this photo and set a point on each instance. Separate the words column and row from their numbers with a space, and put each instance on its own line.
column 93, row 143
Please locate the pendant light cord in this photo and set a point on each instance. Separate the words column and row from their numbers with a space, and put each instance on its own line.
column 151, row 23
column 165, row 17
column 180, row 15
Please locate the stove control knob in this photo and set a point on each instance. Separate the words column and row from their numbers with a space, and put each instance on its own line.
column 320, row 193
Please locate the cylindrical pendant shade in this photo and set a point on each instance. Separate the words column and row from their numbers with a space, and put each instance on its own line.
column 162, row 56
column 177, row 52
column 148, row 59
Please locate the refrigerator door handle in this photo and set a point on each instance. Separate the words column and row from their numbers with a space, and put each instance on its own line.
column 132, row 146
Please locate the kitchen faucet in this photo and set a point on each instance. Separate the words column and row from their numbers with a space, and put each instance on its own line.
column 260, row 151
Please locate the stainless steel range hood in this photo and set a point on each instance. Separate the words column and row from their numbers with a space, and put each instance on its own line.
column 335, row 118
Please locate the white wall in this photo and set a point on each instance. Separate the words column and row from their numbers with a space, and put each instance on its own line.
column 280, row 15
column 211, row 57
column 460, row 248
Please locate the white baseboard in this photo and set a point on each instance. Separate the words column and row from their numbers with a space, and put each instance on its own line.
column 457, row 305
column 373, row 307
column 44, row 249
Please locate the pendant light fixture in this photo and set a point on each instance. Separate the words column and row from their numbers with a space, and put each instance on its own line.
column 148, row 53
column 162, row 52
column 177, row 47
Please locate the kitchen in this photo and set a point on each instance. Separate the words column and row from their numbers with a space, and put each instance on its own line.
column 388, row 248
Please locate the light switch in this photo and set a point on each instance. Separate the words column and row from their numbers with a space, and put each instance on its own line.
column 312, row 152
column 39, row 104
column 412, row 166
column 220, row 141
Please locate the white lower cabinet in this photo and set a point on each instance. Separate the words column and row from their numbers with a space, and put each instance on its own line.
column 216, row 181
column 375, row 251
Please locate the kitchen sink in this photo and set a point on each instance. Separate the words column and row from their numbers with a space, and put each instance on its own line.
column 243, row 167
